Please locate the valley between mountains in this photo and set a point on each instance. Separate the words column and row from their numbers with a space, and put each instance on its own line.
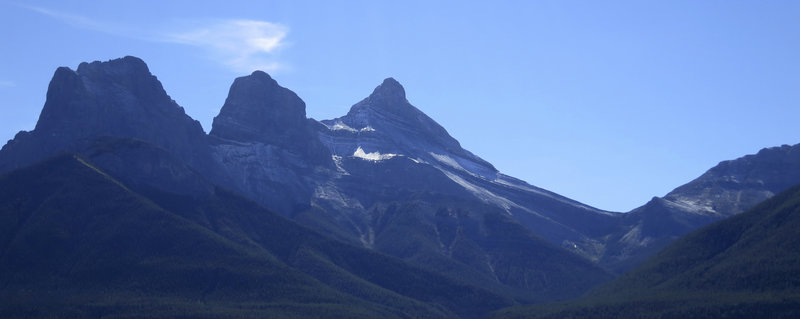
column 118, row 204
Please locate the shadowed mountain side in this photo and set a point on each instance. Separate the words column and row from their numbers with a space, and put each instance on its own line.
column 118, row 98
column 413, row 211
column 72, row 233
column 78, row 243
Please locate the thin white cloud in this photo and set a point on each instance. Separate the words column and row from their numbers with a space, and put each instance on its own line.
column 82, row 22
column 244, row 45
column 241, row 45
column 75, row 20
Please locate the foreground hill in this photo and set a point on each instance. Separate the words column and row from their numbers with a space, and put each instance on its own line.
column 76, row 242
column 746, row 266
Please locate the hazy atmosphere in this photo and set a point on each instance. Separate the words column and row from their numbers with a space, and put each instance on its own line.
column 607, row 103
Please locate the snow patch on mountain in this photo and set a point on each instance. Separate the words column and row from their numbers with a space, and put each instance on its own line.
column 512, row 182
column 341, row 126
column 634, row 237
column 372, row 156
column 482, row 193
column 691, row 205
column 465, row 165
column 447, row 160
column 337, row 160
column 696, row 204
column 329, row 192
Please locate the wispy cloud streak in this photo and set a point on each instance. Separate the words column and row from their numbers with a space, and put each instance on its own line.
column 244, row 45
column 240, row 45
column 82, row 22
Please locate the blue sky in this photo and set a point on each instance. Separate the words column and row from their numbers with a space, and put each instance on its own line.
column 606, row 102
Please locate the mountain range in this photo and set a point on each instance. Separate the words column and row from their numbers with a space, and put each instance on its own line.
column 381, row 208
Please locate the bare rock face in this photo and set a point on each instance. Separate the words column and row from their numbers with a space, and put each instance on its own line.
column 117, row 98
column 118, row 114
column 266, row 146
column 259, row 110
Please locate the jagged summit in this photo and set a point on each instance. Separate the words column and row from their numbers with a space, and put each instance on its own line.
column 127, row 82
column 116, row 98
column 259, row 109
column 125, row 65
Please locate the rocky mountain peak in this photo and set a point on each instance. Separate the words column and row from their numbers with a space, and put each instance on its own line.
column 385, row 121
column 259, row 109
column 117, row 98
column 389, row 97
column 122, row 88
column 389, row 91
column 128, row 65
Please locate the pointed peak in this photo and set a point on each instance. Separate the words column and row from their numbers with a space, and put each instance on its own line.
column 390, row 97
column 390, row 90
column 391, row 84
